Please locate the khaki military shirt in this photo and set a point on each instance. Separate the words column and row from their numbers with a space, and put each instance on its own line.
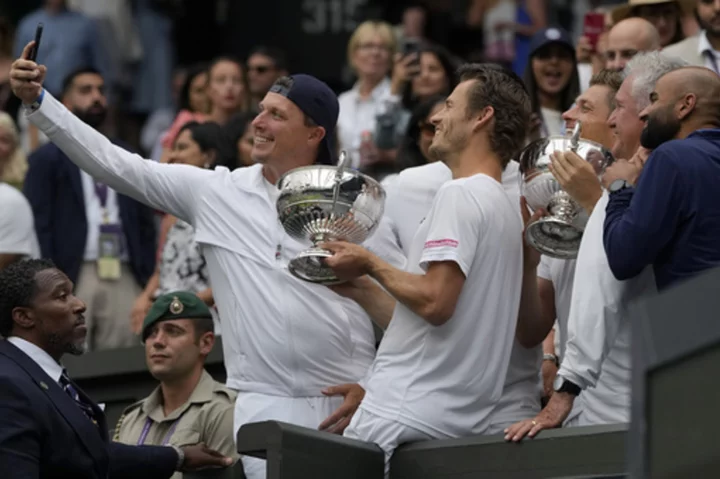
column 206, row 417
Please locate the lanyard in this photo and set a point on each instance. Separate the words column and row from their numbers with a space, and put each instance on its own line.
column 713, row 61
column 146, row 430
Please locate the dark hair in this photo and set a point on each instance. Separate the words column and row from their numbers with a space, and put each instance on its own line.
column 275, row 54
column 70, row 79
column 18, row 288
column 211, row 137
column 6, row 37
column 409, row 153
column 202, row 326
column 228, row 58
column 567, row 95
column 236, row 127
column 192, row 73
column 501, row 89
column 449, row 65
column 610, row 79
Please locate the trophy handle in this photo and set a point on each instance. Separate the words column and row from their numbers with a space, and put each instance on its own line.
column 575, row 138
column 343, row 163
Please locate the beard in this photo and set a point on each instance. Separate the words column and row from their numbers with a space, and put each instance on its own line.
column 94, row 115
column 660, row 128
column 445, row 147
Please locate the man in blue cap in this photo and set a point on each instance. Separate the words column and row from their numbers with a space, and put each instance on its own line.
column 285, row 340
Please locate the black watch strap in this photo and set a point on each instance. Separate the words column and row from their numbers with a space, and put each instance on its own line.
column 570, row 388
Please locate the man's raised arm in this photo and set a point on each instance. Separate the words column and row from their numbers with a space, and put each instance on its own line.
column 171, row 188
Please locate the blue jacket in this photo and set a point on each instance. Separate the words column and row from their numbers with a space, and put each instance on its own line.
column 45, row 435
column 53, row 186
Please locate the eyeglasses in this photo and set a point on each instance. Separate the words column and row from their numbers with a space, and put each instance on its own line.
column 260, row 69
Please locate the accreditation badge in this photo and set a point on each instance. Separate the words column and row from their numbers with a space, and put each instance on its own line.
column 109, row 248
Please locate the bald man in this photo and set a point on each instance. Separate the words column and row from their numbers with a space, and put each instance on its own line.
column 628, row 38
column 670, row 217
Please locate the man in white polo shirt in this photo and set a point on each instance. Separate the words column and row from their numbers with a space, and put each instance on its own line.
column 284, row 339
column 442, row 364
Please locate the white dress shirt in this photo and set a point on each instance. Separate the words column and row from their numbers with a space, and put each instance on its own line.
column 357, row 115
column 597, row 352
column 51, row 367
column 281, row 335
column 708, row 53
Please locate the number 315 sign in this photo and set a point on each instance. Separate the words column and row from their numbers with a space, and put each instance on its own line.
column 330, row 16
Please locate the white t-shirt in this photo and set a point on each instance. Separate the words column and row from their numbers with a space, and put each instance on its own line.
column 561, row 273
column 411, row 193
column 447, row 380
column 597, row 352
column 281, row 336
column 17, row 225
column 409, row 199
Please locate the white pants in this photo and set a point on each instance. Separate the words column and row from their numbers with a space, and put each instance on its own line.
column 302, row 411
column 387, row 434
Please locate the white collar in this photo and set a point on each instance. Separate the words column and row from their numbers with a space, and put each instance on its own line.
column 704, row 44
column 380, row 91
column 40, row 356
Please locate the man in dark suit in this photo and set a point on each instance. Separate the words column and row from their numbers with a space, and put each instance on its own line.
column 105, row 242
column 48, row 427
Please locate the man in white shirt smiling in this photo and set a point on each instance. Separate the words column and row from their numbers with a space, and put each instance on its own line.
column 596, row 366
column 284, row 339
column 441, row 366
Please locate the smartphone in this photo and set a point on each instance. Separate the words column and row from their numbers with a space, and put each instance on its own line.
column 36, row 47
column 593, row 27
column 412, row 47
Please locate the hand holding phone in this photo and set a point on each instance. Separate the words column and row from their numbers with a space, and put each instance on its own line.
column 36, row 46
column 412, row 47
column 593, row 27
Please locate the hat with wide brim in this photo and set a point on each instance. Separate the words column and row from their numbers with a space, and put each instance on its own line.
column 624, row 11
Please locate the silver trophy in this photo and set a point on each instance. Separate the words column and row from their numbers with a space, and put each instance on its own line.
column 327, row 203
column 557, row 235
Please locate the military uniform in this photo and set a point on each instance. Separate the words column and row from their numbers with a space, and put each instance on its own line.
column 206, row 417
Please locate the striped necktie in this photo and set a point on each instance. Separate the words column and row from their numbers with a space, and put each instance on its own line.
column 68, row 387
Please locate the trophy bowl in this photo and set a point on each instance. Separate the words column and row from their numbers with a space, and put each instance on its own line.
column 322, row 203
column 557, row 235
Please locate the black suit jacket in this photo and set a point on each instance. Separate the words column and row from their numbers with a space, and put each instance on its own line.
column 53, row 186
column 44, row 434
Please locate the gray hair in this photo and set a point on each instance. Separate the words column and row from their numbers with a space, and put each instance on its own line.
column 646, row 69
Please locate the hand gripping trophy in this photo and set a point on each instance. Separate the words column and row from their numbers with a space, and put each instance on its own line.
column 557, row 235
column 323, row 203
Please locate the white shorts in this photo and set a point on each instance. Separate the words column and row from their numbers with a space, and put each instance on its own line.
column 387, row 434
column 303, row 411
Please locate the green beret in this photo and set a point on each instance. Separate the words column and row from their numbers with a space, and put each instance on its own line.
column 175, row 305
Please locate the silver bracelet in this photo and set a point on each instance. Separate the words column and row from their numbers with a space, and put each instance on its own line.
column 181, row 458
column 550, row 357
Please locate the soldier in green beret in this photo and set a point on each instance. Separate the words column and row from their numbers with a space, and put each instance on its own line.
column 188, row 407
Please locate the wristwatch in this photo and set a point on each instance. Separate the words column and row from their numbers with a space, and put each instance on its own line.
column 618, row 185
column 562, row 385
